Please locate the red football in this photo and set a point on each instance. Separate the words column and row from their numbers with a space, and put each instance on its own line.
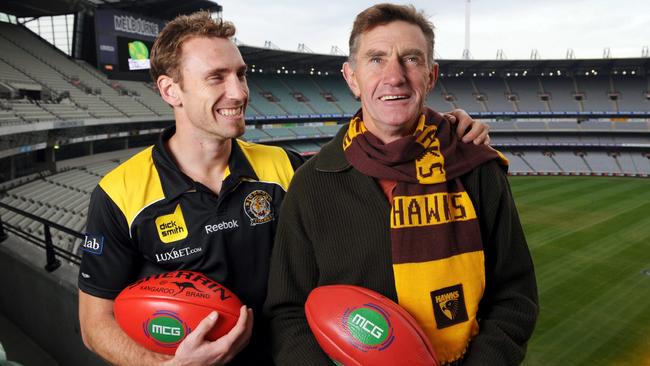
column 160, row 310
column 357, row 326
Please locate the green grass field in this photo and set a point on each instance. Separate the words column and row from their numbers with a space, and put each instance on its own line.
column 590, row 241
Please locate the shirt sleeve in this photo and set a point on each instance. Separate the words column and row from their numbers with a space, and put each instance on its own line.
column 509, row 308
column 109, row 260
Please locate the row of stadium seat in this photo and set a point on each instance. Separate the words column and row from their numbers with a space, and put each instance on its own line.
column 280, row 133
column 578, row 162
column 61, row 198
column 274, row 133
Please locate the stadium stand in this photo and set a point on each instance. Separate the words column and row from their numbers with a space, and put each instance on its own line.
column 632, row 92
column 280, row 133
column 85, row 93
column 570, row 162
column 561, row 91
column 255, row 135
column 329, row 130
column 461, row 92
column 282, row 94
column 516, row 162
column 436, row 99
column 304, row 132
column 45, row 75
column 312, row 94
column 338, row 89
column 542, row 162
column 495, row 95
column 262, row 101
column 146, row 94
column 526, row 91
column 596, row 90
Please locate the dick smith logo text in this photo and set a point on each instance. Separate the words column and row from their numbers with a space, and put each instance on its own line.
column 170, row 228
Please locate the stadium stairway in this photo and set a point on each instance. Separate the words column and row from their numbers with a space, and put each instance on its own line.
column 20, row 348
column 39, row 324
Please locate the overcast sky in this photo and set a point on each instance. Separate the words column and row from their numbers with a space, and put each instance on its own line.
column 514, row 26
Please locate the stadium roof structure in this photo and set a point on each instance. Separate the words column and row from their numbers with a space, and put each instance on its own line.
column 304, row 62
column 537, row 67
column 163, row 9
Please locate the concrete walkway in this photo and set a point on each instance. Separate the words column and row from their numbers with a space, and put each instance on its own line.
column 20, row 348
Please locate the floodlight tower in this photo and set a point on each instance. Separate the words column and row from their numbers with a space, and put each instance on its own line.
column 466, row 53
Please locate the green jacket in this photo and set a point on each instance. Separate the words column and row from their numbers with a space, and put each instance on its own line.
column 334, row 229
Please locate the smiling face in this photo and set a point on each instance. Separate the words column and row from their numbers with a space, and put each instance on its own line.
column 392, row 76
column 212, row 94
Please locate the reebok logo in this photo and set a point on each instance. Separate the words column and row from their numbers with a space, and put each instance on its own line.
column 449, row 306
column 225, row 225
column 171, row 227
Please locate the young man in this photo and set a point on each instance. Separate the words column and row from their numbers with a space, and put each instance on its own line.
column 204, row 188
column 396, row 204
column 197, row 178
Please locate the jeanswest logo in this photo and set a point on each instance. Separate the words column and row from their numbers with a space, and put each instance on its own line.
column 369, row 326
column 166, row 328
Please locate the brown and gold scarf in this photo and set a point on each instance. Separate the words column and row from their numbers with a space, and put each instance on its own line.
column 436, row 242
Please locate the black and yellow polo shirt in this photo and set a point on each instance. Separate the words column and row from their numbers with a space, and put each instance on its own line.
column 146, row 216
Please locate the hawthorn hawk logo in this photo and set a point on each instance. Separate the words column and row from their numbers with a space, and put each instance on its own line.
column 449, row 306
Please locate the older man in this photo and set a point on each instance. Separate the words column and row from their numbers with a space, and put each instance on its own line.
column 397, row 204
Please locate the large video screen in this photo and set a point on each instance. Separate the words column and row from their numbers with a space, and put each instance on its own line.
column 133, row 55
column 124, row 43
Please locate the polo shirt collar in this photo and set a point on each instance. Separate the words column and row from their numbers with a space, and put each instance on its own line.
column 174, row 182
column 239, row 164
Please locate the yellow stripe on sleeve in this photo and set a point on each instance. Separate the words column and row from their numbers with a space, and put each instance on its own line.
column 270, row 163
column 134, row 185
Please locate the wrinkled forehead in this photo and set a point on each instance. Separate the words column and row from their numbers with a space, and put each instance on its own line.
column 395, row 36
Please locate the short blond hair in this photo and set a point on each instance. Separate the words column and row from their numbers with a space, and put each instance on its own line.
column 167, row 50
